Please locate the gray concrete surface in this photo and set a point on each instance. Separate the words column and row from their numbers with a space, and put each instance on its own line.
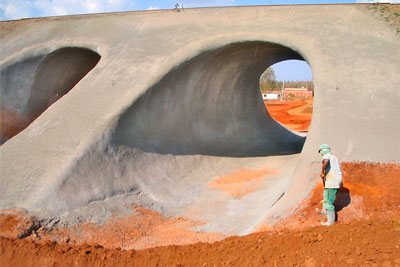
column 30, row 86
column 173, row 103
column 210, row 105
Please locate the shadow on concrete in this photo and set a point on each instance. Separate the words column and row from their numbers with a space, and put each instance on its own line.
column 211, row 105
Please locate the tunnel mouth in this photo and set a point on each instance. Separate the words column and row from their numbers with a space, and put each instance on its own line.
column 211, row 105
column 30, row 85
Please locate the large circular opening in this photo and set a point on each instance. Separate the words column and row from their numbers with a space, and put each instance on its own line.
column 211, row 105
column 287, row 90
column 29, row 86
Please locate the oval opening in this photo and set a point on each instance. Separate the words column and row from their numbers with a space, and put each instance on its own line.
column 211, row 105
column 29, row 86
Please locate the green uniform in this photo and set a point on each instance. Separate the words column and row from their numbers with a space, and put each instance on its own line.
column 329, row 198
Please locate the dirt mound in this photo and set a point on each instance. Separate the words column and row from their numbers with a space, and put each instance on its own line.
column 369, row 189
column 373, row 242
column 143, row 229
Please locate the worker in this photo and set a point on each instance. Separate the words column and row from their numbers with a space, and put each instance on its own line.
column 332, row 178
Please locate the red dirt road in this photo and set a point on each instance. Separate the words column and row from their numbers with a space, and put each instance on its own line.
column 296, row 115
column 367, row 234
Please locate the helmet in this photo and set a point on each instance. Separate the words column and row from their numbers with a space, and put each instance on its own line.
column 324, row 148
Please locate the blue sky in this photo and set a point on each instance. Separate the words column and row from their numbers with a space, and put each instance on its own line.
column 292, row 70
column 17, row 9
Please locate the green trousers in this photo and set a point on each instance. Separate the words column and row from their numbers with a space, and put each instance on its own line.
column 329, row 198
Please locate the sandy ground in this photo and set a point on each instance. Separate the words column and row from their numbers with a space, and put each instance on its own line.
column 296, row 115
column 367, row 234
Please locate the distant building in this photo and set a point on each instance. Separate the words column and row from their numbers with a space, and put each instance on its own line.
column 297, row 92
column 273, row 95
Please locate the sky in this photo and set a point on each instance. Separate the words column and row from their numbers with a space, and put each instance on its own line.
column 292, row 70
column 17, row 9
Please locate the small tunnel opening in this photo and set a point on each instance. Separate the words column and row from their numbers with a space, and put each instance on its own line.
column 211, row 105
column 29, row 86
column 287, row 90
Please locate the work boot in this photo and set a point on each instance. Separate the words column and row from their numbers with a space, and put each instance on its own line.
column 322, row 211
column 330, row 215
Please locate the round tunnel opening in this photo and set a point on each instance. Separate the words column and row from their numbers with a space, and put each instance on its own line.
column 210, row 105
column 287, row 90
column 31, row 85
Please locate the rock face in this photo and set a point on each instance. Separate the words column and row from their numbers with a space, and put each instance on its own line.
column 173, row 106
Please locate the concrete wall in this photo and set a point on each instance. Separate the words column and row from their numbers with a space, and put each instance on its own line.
column 155, row 65
column 211, row 105
column 32, row 84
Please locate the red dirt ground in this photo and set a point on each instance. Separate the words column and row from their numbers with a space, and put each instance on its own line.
column 367, row 234
column 143, row 229
column 296, row 115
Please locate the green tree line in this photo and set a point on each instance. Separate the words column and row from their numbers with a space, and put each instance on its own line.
column 269, row 83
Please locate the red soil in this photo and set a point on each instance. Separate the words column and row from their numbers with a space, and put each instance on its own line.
column 359, row 243
column 369, row 189
column 15, row 224
column 367, row 234
column 296, row 115
column 143, row 229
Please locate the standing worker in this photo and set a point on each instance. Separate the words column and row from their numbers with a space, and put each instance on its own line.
column 332, row 178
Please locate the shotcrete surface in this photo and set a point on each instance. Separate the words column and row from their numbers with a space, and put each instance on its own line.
column 171, row 117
